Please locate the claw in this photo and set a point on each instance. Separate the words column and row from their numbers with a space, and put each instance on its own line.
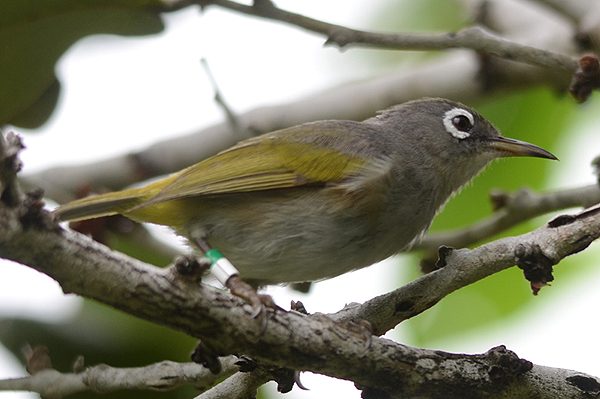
column 226, row 273
column 298, row 382
column 240, row 288
column 259, row 303
column 246, row 364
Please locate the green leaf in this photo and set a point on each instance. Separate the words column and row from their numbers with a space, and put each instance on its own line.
column 35, row 34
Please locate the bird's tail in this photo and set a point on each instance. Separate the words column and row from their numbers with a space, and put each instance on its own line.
column 101, row 205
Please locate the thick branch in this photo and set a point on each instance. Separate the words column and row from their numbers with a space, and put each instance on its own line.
column 465, row 266
column 291, row 340
column 315, row 343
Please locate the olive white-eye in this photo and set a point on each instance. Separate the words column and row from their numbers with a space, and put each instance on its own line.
column 320, row 199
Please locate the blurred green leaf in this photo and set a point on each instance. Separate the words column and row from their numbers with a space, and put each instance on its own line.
column 495, row 300
column 540, row 117
column 424, row 16
column 41, row 109
column 34, row 35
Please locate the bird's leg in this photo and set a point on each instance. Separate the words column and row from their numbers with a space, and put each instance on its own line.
column 228, row 275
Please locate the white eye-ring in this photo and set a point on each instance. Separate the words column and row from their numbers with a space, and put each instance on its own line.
column 458, row 122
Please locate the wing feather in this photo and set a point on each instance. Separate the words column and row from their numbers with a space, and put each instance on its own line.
column 263, row 163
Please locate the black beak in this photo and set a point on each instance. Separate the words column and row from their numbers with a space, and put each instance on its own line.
column 515, row 148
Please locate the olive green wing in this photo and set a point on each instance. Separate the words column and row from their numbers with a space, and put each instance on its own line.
column 282, row 159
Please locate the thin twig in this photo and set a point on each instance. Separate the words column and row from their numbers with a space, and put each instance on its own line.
column 163, row 376
column 516, row 208
column 232, row 118
column 474, row 38
column 238, row 386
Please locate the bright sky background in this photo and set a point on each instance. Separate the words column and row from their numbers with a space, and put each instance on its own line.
column 119, row 94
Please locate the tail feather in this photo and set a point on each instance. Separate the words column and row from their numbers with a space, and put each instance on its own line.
column 100, row 205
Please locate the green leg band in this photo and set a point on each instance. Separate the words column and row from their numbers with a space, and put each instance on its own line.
column 220, row 266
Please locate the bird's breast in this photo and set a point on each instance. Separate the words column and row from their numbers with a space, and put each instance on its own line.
column 301, row 235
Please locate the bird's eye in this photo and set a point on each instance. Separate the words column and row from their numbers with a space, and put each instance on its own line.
column 462, row 123
column 459, row 122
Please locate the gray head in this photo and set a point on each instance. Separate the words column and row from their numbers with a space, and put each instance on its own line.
column 452, row 129
column 448, row 137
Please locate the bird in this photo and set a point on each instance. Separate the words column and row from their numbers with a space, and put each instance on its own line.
column 320, row 199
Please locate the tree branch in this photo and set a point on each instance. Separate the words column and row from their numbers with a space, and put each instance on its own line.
column 459, row 75
column 353, row 101
column 162, row 376
column 293, row 340
column 238, row 386
column 474, row 38
column 29, row 236
column 512, row 210
column 464, row 266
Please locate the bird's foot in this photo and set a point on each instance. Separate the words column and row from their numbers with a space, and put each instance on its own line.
column 259, row 303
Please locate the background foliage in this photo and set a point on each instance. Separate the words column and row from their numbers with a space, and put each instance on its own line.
column 36, row 34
